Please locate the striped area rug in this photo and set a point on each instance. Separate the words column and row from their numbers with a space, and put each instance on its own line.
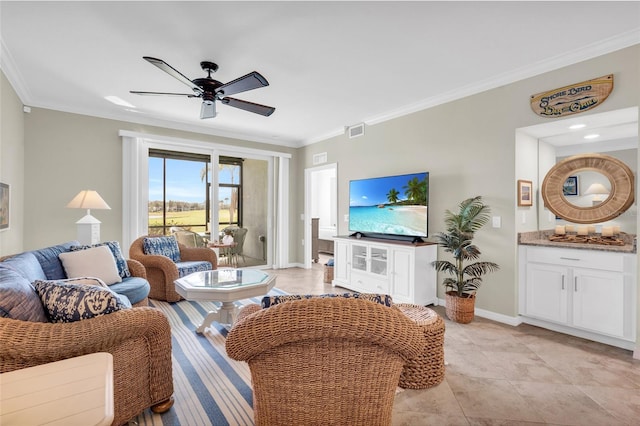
column 209, row 387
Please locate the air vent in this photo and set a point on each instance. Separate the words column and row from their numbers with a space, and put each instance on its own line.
column 320, row 158
column 355, row 131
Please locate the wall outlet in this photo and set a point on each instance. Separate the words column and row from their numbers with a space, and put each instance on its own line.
column 496, row 221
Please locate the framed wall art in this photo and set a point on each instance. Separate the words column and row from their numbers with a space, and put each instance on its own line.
column 525, row 193
column 4, row 206
column 570, row 186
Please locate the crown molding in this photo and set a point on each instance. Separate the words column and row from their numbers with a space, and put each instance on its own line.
column 600, row 48
column 594, row 50
column 7, row 65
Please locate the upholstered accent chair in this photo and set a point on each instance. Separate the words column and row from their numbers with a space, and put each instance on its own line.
column 324, row 361
column 166, row 260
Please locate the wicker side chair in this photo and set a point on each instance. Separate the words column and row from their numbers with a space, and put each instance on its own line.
column 324, row 361
column 162, row 271
column 139, row 340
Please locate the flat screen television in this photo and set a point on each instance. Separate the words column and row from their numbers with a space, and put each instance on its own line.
column 393, row 207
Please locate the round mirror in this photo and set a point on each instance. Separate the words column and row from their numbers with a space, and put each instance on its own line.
column 603, row 174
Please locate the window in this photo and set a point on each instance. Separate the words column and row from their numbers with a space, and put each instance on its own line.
column 179, row 191
column 230, row 192
column 178, row 195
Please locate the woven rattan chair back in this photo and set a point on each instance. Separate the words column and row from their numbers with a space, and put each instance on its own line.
column 324, row 361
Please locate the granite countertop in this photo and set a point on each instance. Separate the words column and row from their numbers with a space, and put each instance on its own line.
column 541, row 238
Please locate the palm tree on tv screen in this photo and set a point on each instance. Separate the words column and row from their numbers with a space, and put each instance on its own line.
column 392, row 195
column 416, row 190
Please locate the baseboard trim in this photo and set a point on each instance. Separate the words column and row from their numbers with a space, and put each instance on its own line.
column 505, row 319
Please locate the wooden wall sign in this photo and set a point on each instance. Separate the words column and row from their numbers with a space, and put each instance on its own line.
column 573, row 99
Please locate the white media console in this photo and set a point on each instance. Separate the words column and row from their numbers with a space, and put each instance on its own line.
column 400, row 269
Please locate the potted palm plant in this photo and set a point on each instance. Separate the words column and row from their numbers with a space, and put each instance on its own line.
column 472, row 215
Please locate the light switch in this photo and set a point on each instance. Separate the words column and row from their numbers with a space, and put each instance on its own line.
column 346, row 218
column 524, row 217
column 496, row 221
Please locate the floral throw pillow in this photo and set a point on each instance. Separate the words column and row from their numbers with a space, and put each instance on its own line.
column 64, row 302
column 164, row 246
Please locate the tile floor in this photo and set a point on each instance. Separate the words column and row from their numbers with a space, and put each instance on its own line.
column 503, row 375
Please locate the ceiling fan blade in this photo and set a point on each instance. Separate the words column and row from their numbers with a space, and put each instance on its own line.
column 172, row 72
column 249, row 106
column 188, row 95
column 208, row 110
column 251, row 81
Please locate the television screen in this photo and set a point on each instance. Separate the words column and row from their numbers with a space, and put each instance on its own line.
column 391, row 205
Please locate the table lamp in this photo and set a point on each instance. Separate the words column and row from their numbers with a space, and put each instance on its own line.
column 88, row 226
column 597, row 190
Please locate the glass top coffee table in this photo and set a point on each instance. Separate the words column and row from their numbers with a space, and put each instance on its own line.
column 225, row 285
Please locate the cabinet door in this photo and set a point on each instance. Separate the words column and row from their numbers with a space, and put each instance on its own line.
column 342, row 264
column 402, row 279
column 599, row 301
column 378, row 259
column 546, row 292
column 359, row 256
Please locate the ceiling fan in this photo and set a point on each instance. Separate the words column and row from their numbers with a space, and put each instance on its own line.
column 211, row 90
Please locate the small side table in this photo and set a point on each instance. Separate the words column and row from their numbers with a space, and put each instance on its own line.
column 427, row 369
column 74, row 391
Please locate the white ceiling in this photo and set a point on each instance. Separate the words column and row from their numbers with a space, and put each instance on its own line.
column 329, row 64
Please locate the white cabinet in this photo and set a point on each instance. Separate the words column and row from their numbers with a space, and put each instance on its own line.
column 402, row 270
column 546, row 297
column 588, row 293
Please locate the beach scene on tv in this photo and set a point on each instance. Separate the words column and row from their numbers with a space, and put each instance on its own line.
column 394, row 205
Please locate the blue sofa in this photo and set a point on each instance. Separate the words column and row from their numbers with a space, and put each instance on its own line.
column 44, row 264
column 139, row 338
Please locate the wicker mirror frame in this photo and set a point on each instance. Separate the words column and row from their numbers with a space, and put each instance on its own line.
column 620, row 198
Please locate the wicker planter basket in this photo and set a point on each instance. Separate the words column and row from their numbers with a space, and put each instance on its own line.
column 460, row 309
column 328, row 274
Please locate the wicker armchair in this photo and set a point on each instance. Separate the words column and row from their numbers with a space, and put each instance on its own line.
column 139, row 340
column 162, row 271
column 324, row 361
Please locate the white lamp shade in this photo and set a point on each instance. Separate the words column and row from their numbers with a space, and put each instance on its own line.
column 88, row 199
column 596, row 189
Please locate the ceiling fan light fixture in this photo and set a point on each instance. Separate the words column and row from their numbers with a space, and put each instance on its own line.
column 208, row 109
column 211, row 90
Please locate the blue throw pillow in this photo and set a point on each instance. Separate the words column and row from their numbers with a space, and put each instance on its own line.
column 18, row 299
column 75, row 302
column 114, row 246
column 383, row 299
column 164, row 246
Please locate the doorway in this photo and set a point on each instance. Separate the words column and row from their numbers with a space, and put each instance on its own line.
column 321, row 203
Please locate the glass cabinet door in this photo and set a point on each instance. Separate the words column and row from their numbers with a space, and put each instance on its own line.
column 378, row 261
column 359, row 257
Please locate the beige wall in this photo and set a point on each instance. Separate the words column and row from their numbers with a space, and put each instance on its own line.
column 12, row 164
column 71, row 152
column 468, row 146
